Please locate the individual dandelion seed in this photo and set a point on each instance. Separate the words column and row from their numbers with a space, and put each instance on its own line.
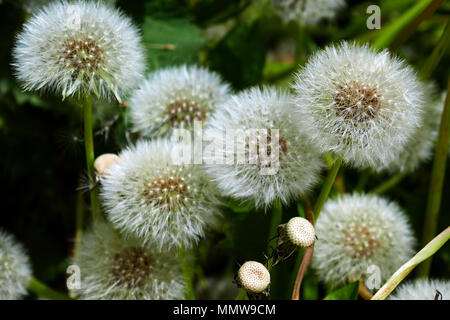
column 360, row 104
column 254, row 277
column 148, row 196
column 175, row 98
column 420, row 145
column 300, row 232
column 15, row 268
column 356, row 232
column 113, row 267
column 422, row 289
column 277, row 161
column 307, row 12
column 79, row 47
column 103, row 162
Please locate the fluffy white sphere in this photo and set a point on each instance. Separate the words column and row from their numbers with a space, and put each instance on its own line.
column 299, row 162
column 356, row 232
column 360, row 104
column 422, row 289
column 307, row 12
column 79, row 47
column 147, row 195
column 15, row 268
column 301, row 232
column 254, row 277
column 175, row 98
column 113, row 267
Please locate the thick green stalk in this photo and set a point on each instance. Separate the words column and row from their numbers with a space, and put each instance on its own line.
column 389, row 183
column 405, row 269
column 433, row 60
column 326, row 188
column 89, row 149
column 242, row 295
column 42, row 290
column 437, row 181
column 188, row 275
column 277, row 216
column 389, row 33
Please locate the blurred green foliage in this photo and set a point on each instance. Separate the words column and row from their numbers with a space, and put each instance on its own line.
column 42, row 160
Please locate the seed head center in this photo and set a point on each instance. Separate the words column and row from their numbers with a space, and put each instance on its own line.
column 131, row 267
column 82, row 54
column 166, row 190
column 357, row 101
column 362, row 241
column 183, row 113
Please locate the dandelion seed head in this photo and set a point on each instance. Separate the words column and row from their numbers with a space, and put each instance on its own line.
column 103, row 162
column 360, row 104
column 15, row 268
column 175, row 98
column 254, row 277
column 357, row 231
column 422, row 289
column 114, row 267
column 300, row 231
column 79, row 47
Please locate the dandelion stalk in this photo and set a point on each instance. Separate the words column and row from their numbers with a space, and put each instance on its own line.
column 242, row 295
column 277, row 215
column 89, row 149
column 389, row 183
column 433, row 246
column 326, row 188
column 42, row 290
column 437, row 181
column 79, row 217
column 188, row 275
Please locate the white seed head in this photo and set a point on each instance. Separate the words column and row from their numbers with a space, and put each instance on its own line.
column 422, row 289
column 254, row 277
column 307, row 12
column 283, row 170
column 301, row 232
column 357, row 231
column 360, row 104
column 15, row 268
column 113, row 267
column 79, row 47
column 164, row 204
column 420, row 145
column 103, row 162
column 175, row 98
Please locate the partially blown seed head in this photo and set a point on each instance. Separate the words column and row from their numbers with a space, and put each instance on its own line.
column 15, row 268
column 301, row 232
column 254, row 277
column 360, row 104
column 113, row 267
column 147, row 195
column 79, row 47
column 357, row 231
column 422, row 289
column 175, row 98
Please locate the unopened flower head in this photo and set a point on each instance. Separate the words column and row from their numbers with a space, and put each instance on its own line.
column 148, row 195
column 307, row 12
column 420, row 145
column 422, row 289
column 356, row 232
column 362, row 105
column 254, row 277
column 103, row 162
column 175, row 98
column 113, row 267
column 300, row 232
column 77, row 48
column 15, row 268
column 273, row 159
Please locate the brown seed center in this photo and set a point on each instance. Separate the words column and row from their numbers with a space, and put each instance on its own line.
column 361, row 241
column 356, row 101
column 183, row 113
column 166, row 190
column 132, row 267
column 82, row 54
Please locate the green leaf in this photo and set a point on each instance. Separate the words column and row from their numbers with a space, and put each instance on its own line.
column 349, row 292
column 171, row 42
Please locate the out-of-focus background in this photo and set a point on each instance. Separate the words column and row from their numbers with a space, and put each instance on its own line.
column 43, row 179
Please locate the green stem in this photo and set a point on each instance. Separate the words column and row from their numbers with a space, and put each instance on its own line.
column 433, row 59
column 277, row 215
column 389, row 183
column 363, row 178
column 433, row 246
column 79, row 215
column 188, row 274
column 41, row 290
column 326, row 188
column 391, row 31
column 89, row 149
column 437, row 181
column 242, row 295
